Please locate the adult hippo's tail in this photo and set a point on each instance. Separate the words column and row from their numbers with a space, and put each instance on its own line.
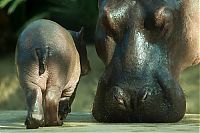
column 42, row 55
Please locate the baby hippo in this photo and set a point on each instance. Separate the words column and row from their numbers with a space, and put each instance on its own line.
column 49, row 61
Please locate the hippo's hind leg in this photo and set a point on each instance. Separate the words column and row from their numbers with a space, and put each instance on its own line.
column 52, row 99
column 64, row 108
column 35, row 116
column 65, row 103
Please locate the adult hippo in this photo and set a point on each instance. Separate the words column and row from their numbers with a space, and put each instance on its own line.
column 49, row 61
column 144, row 44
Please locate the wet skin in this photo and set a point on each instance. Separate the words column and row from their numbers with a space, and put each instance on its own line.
column 49, row 61
column 142, row 45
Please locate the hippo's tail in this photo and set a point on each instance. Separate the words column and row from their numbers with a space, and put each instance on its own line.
column 42, row 58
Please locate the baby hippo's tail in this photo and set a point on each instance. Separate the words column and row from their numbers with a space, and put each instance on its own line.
column 42, row 55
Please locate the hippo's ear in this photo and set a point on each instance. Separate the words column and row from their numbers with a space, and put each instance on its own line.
column 100, row 3
column 80, row 35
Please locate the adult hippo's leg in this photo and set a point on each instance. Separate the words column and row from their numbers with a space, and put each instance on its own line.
column 35, row 116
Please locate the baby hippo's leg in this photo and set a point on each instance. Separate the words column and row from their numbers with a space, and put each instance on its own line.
column 66, row 100
column 35, row 116
column 64, row 108
column 52, row 98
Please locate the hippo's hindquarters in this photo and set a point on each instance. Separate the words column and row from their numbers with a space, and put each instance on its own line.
column 47, row 63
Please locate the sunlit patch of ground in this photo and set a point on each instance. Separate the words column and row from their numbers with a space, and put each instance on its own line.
column 12, row 121
column 12, row 96
column 190, row 82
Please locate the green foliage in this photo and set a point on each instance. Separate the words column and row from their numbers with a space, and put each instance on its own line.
column 71, row 14
column 13, row 4
column 3, row 3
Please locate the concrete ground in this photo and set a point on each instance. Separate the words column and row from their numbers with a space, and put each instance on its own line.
column 13, row 121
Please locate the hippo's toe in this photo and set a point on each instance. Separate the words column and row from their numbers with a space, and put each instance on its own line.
column 34, row 121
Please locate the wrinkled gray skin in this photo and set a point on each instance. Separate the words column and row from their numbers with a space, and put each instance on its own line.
column 144, row 44
column 49, row 63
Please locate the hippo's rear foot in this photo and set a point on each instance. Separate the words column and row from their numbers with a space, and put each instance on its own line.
column 54, row 123
column 62, row 114
column 34, row 121
column 64, row 108
column 35, row 117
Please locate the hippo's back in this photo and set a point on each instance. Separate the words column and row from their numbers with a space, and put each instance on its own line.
column 44, row 33
column 45, row 40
